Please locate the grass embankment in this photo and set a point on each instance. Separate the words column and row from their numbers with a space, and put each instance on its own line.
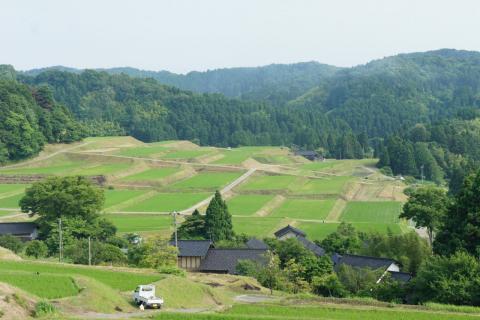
column 267, row 311
column 120, row 280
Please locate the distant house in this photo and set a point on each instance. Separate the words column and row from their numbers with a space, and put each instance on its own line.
column 310, row 155
column 192, row 252
column 386, row 264
column 292, row 232
column 25, row 231
column 289, row 232
column 201, row 255
column 226, row 260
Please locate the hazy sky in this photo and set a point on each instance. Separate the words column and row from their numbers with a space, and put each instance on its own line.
column 184, row 35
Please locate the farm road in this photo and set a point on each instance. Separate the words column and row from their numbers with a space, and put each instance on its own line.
column 223, row 191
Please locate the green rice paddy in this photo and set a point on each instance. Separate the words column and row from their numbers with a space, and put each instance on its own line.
column 257, row 226
column 114, row 197
column 276, row 182
column 184, row 154
column 304, row 209
column 331, row 186
column 207, row 180
column 120, row 280
column 11, row 202
column 371, row 211
column 152, row 174
column 167, row 202
column 42, row 285
column 8, row 188
column 247, row 205
column 142, row 152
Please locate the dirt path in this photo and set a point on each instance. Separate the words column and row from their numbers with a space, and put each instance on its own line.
column 225, row 190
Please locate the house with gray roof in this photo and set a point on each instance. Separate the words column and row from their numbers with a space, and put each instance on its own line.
column 192, row 252
column 292, row 232
column 25, row 231
column 226, row 260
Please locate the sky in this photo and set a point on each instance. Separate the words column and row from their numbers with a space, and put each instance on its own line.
column 186, row 35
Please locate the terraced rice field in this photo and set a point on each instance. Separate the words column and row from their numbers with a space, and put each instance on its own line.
column 66, row 167
column 142, row 152
column 247, row 205
column 257, row 226
column 318, row 231
column 11, row 202
column 167, row 202
column 332, row 185
column 10, row 188
column 120, row 280
column 46, row 286
column 304, row 209
column 371, row 211
column 140, row 222
column 207, row 180
column 152, row 174
column 184, row 154
column 102, row 169
column 235, row 156
column 114, row 197
column 269, row 183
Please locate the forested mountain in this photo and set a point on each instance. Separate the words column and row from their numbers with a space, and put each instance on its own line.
column 274, row 83
column 151, row 111
column 30, row 117
column 341, row 111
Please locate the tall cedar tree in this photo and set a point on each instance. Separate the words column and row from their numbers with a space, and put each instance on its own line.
column 218, row 221
column 461, row 226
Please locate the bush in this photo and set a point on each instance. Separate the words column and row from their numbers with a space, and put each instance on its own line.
column 12, row 243
column 387, row 171
column 172, row 270
column 328, row 286
column 43, row 308
column 37, row 249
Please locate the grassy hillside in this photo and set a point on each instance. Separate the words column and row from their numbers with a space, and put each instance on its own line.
column 147, row 181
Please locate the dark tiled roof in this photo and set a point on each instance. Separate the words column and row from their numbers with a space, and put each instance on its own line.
column 256, row 244
column 17, row 228
column 226, row 260
column 400, row 276
column 317, row 250
column 364, row 261
column 288, row 229
column 192, row 248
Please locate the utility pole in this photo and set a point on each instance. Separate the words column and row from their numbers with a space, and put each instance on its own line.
column 60, row 240
column 421, row 168
column 175, row 227
column 89, row 251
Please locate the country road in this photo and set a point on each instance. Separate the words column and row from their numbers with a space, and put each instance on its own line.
column 226, row 189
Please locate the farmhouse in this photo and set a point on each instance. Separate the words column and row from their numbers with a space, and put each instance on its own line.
column 25, row 231
column 387, row 265
column 192, row 252
column 291, row 232
column 201, row 255
column 226, row 260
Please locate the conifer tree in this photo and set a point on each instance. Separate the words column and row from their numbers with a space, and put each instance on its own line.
column 218, row 221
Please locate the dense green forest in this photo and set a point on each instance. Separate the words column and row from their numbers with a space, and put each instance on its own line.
column 376, row 108
column 30, row 117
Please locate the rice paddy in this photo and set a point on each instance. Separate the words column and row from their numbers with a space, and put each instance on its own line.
column 140, row 222
column 247, row 205
column 152, row 174
column 207, row 180
column 371, row 211
column 167, row 202
column 304, row 209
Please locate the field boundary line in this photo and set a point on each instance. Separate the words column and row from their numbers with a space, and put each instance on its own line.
column 336, row 212
column 271, row 205
column 134, row 200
